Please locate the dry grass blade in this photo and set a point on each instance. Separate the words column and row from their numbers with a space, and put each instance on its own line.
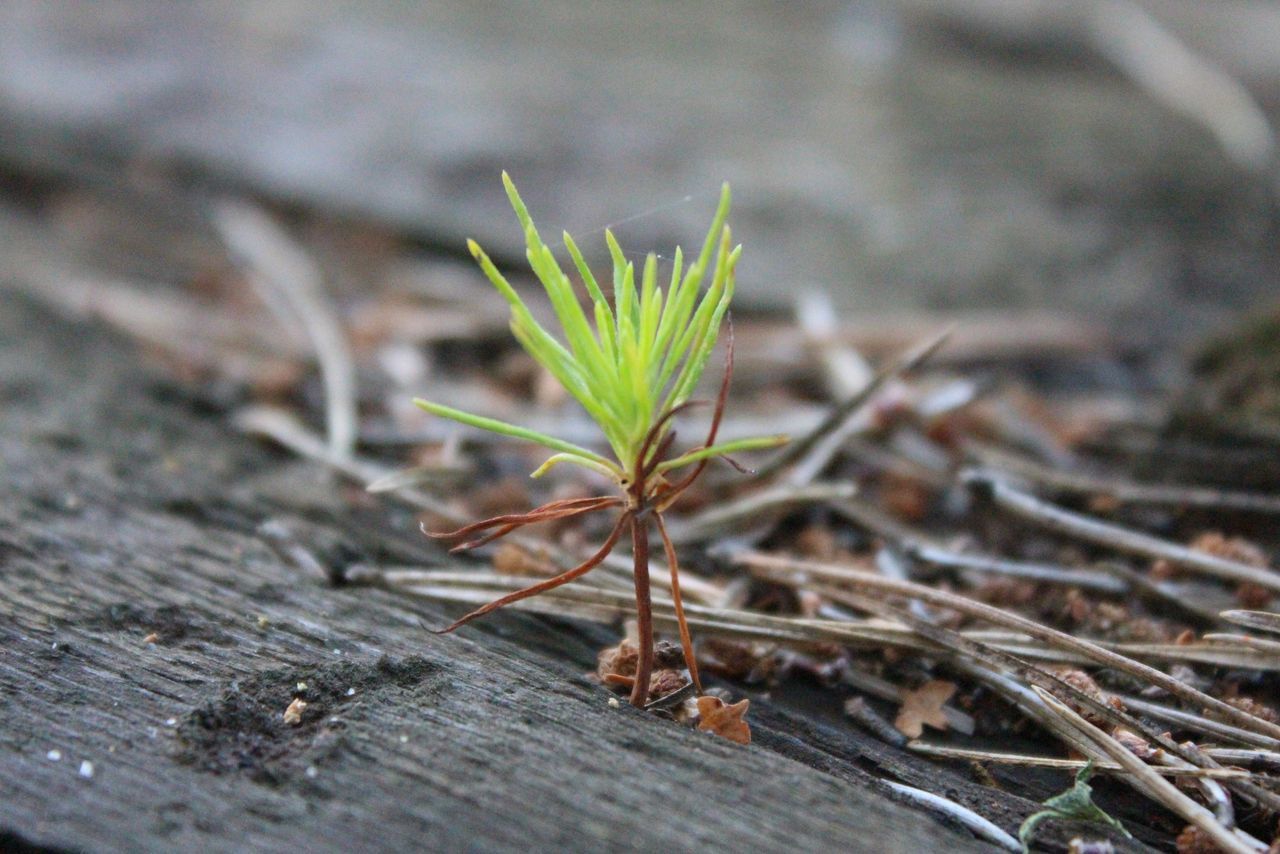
column 416, row 476
column 717, row 520
column 1055, row 518
column 810, row 453
column 1182, row 79
column 844, row 370
column 1086, row 579
column 472, row 586
column 919, row 546
column 284, row 429
column 1263, row 645
column 1126, row 492
column 1033, row 707
column 980, row 826
column 1146, row 780
column 292, row 285
column 943, row 751
column 1263, row 621
column 968, row 653
column 1209, row 652
column 787, row 569
column 1196, row 723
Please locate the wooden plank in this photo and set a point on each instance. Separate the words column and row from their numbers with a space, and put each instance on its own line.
column 151, row 641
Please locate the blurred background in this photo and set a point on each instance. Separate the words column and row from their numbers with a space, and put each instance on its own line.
column 1112, row 158
column 270, row 200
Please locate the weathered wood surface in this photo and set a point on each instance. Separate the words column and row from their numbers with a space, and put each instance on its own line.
column 897, row 154
column 128, row 509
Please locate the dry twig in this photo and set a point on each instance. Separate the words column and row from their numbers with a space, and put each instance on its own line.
column 1055, row 518
column 784, row 568
column 291, row 285
column 1100, row 745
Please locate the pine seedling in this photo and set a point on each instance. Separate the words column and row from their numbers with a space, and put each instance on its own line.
column 633, row 366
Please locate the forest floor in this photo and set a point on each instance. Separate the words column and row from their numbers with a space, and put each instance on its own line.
column 214, row 632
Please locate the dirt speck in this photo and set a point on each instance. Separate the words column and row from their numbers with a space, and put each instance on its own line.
column 245, row 731
column 166, row 625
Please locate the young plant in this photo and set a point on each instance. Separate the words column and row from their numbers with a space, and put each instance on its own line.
column 633, row 373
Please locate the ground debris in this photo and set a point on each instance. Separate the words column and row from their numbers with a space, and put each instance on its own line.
column 293, row 714
column 924, row 706
column 902, row 455
column 725, row 720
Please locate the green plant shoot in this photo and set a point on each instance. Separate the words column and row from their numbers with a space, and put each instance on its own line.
column 627, row 363
column 632, row 364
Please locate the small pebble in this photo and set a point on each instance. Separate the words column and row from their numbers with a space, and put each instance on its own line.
column 302, row 686
column 351, row 692
column 86, row 769
column 311, row 771
column 293, row 714
column 53, row 755
column 613, row 703
column 171, row 722
column 404, row 739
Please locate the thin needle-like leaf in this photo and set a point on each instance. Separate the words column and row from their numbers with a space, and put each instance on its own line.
column 495, row 426
column 736, row 446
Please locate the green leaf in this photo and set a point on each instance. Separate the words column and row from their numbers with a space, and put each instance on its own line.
column 495, row 426
column 644, row 354
column 556, row 459
column 705, row 327
column 719, row 449
column 1075, row 803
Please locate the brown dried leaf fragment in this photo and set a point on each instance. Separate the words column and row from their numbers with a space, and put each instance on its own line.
column 726, row 721
column 905, row 497
column 1218, row 545
column 817, row 542
column 924, row 706
column 739, row 660
column 1193, row 840
column 1253, row 597
column 1237, row 549
column 1136, row 744
column 664, row 682
column 616, row 665
column 1254, row 707
column 1084, row 683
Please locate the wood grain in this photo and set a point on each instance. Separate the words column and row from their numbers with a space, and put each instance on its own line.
column 148, row 630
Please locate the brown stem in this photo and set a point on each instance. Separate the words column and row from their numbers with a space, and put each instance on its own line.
column 686, row 640
column 644, row 614
column 563, row 578
column 507, row 523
